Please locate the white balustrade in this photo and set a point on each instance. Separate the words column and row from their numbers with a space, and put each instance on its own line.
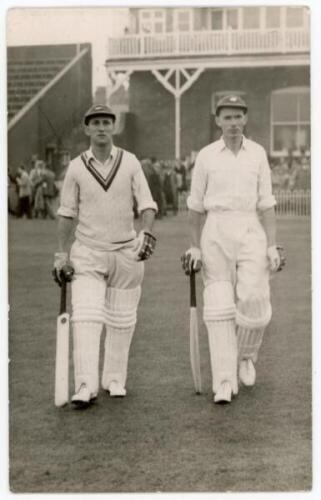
column 209, row 42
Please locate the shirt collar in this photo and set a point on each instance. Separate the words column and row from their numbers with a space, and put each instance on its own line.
column 90, row 155
column 221, row 144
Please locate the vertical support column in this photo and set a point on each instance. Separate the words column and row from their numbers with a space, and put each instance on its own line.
column 177, row 115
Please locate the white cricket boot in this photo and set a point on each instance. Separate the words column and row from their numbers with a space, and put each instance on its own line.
column 116, row 389
column 82, row 398
column 247, row 373
column 224, row 393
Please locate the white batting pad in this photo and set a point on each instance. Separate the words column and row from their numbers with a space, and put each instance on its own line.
column 88, row 299
column 121, row 307
column 86, row 342
column 117, row 345
column 249, row 342
column 255, row 312
column 223, row 353
column 219, row 302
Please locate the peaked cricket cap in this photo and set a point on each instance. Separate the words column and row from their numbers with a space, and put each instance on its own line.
column 99, row 110
column 231, row 101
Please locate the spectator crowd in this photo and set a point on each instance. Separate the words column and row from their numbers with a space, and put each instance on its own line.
column 34, row 194
column 291, row 173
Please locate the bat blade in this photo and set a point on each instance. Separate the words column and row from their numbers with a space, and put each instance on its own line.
column 194, row 351
column 62, row 361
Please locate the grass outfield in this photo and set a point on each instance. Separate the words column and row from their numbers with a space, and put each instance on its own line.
column 161, row 437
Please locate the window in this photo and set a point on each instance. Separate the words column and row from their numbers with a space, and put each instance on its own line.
column 216, row 19
column 290, row 120
column 294, row 17
column 223, row 19
column 231, row 19
column 152, row 21
column 251, row 17
column 273, row 17
column 183, row 19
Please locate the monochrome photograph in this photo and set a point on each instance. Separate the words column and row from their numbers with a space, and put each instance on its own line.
column 159, row 228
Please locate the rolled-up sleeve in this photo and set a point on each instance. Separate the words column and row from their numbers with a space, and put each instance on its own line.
column 195, row 200
column 69, row 197
column 266, row 199
column 141, row 190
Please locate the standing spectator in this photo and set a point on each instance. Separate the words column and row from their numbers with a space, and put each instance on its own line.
column 49, row 191
column 35, row 177
column 156, row 186
column 301, row 175
column 24, row 191
column 170, row 187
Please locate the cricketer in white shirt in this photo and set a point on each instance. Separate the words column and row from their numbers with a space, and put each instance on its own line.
column 231, row 184
column 99, row 190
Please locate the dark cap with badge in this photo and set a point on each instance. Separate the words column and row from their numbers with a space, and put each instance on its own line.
column 99, row 110
column 230, row 101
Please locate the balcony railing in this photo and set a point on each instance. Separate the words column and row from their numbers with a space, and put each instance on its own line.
column 210, row 43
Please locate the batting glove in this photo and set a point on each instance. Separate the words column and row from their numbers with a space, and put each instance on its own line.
column 276, row 257
column 191, row 260
column 145, row 245
column 60, row 264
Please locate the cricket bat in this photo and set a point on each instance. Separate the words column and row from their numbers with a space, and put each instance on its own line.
column 62, row 345
column 193, row 337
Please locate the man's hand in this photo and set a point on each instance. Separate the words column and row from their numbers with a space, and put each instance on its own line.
column 191, row 260
column 276, row 257
column 61, row 267
column 145, row 245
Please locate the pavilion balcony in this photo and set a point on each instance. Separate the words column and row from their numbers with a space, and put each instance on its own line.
column 209, row 43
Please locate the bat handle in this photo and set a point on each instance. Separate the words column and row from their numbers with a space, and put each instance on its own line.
column 192, row 289
column 63, row 297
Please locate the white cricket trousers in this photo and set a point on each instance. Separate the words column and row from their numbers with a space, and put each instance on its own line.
column 105, row 291
column 236, row 290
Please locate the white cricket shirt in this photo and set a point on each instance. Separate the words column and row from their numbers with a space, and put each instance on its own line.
column 222, row 181
column 105, row 212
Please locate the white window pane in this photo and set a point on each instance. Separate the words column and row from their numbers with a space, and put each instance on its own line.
column 159, row 13
column 146, row 15
column 183, row 16
column 159, row 27
column 217, row 19
column 251, row 17
column 303, row 137
column 273, row 17
column 231, row 19
column 294, row 17
column 284, row 137
column 285, row 107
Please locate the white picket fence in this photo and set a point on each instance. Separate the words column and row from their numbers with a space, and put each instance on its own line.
column 289, row 203
column 293, row 203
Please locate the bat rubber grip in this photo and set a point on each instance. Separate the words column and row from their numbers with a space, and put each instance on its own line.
column 192, row 289
column 63, row 297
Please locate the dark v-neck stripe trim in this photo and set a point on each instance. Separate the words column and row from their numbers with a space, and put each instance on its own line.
column 105, row 183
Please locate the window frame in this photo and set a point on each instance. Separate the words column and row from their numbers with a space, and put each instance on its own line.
column 153, row 20
column 224, row 11
column 288, row 90
column 190, row 19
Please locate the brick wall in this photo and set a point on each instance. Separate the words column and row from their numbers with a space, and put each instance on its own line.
column 154, row 107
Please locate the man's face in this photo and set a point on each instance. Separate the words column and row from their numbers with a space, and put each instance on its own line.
column 232, row 122
column 100, row 130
